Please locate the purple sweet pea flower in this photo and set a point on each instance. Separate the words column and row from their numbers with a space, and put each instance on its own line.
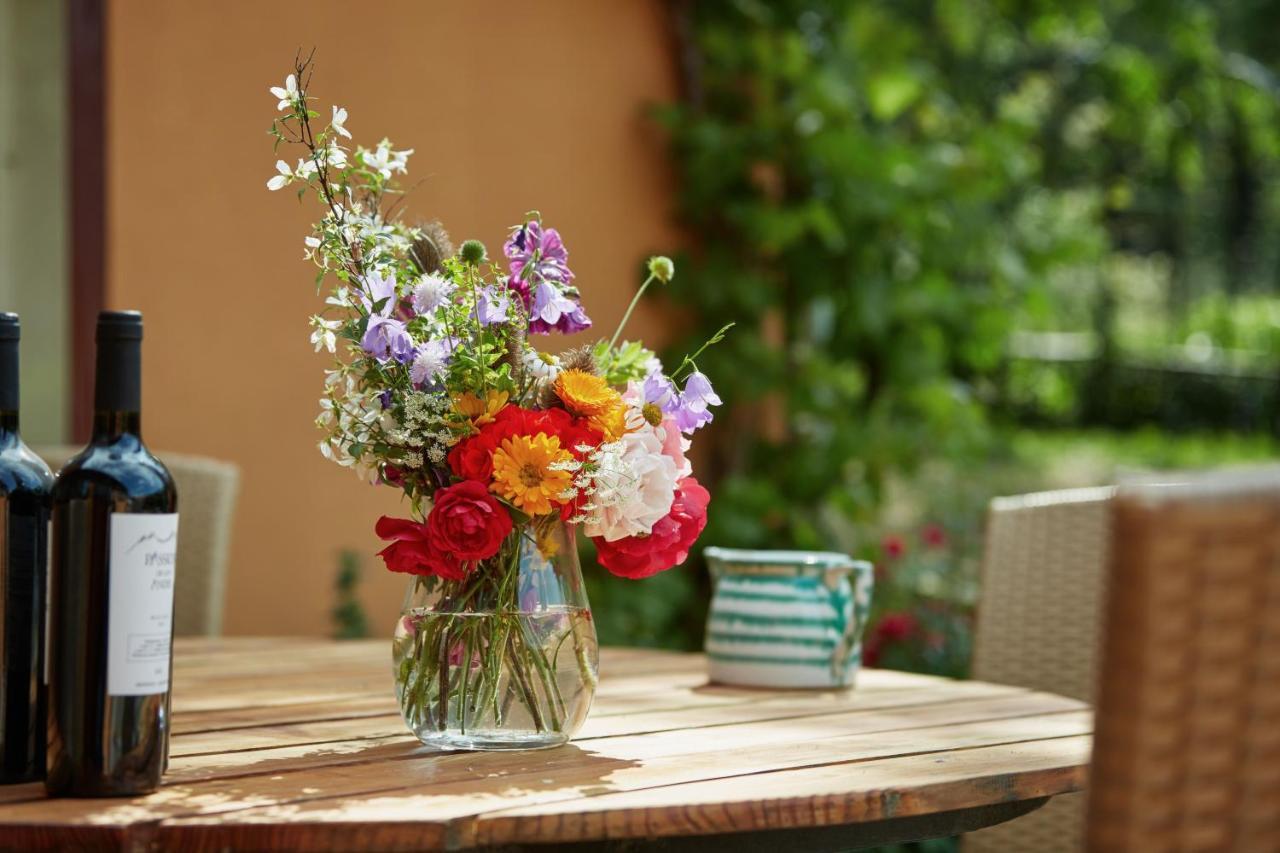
column 536, row 253
column 386, row 338
column 430, row 361
column 492, row 306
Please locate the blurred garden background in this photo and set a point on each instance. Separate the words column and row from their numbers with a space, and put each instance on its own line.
column 973, row 248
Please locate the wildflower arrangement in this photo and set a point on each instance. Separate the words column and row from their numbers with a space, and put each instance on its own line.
column 438, row 390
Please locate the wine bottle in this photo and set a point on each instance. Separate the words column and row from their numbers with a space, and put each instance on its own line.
column 24, row 532
column 114, row 540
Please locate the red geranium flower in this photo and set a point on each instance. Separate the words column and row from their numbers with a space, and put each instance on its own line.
column 667, row 545
column 516, row 420
column 410, row 550
column 467, row 522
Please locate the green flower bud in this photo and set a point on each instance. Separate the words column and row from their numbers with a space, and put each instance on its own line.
column 473, row 252
column 662, row 268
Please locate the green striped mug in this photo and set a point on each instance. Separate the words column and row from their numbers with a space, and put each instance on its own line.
column 786, row 618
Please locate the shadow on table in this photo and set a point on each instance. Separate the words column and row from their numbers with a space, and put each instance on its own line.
column 396, row 780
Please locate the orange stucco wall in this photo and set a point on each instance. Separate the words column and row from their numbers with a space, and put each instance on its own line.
column 509, row 106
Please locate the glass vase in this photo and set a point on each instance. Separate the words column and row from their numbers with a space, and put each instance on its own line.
column 505, row 658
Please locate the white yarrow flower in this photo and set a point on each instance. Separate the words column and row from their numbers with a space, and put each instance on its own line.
column 288, row 94
column 282, row 179
column 338, row 120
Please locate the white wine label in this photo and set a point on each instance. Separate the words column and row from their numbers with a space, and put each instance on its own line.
column 140, row 617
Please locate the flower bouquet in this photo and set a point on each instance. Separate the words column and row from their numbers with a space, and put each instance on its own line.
column 503, row 451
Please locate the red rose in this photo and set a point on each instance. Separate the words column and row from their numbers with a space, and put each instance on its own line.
column 467, row 522
column 667, row 545
column 472, row 458
column 410, row 550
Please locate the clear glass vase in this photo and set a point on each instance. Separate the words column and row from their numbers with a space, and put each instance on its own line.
column 504, row 659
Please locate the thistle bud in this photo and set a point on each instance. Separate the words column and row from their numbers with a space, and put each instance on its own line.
column 473, row 252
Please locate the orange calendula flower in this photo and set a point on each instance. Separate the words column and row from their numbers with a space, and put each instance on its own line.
column 478, row 411
column 586, row 394
column 526, row 472
column 611, row 423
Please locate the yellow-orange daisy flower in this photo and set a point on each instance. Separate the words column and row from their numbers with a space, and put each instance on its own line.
column 585, row 393
column 478, row 411
column 524, row 472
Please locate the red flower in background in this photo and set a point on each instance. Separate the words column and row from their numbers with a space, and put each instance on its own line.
column 934, row 536
column 893, row 627
column 667, row 545
column 893, row 546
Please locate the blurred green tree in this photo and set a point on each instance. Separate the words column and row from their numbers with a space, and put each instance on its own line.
column 880, row 191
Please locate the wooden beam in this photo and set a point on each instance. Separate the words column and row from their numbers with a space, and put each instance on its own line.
column 86, row 34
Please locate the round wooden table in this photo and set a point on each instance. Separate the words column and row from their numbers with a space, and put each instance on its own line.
column 297, row 744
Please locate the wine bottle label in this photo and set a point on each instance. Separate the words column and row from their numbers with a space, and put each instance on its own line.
column 140, row 615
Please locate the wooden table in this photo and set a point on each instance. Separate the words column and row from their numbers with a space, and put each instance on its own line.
column 297, row 744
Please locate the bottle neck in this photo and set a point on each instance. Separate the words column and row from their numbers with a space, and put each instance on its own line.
column 9, row 386
column 117, row 400
column 109, row 425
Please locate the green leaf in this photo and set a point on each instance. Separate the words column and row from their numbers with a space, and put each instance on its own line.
column 891, row 92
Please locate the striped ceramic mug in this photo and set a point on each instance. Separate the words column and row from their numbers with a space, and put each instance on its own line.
column 786, row 618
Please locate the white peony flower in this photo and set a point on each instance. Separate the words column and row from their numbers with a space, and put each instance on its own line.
column 288, row 94
column 639, row 490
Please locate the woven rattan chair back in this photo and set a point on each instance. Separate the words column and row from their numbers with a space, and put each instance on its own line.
column 206, row 502
column 1187, row 752
column 1039, row 615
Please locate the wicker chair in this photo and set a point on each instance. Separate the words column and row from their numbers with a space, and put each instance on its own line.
column 1187, row 752
column 206, row 499
column 1038, row 626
